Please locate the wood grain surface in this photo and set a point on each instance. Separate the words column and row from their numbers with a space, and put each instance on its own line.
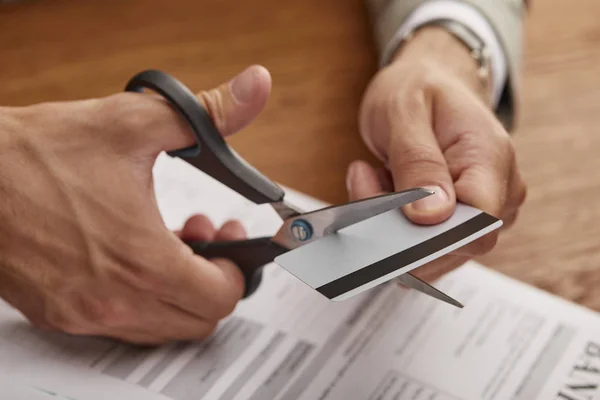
column 321, row 56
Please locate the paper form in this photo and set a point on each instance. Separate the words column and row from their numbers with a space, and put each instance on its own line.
column 289, row 342
column 13, row 389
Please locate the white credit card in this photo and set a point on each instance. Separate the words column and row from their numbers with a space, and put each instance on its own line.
column 381, row 248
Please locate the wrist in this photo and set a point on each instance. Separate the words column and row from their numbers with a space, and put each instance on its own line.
column 435, row 45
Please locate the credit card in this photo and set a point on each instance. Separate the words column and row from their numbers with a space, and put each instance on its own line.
column 374, row 251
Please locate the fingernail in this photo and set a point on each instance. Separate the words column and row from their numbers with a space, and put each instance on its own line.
column 242, row 86
column 433, row 202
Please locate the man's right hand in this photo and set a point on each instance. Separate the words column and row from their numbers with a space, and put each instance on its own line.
column 83, row 247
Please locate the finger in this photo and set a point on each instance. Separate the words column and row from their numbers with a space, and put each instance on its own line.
column 208, row 289
column 203, row 288
column 480, row 155
column 480, row 246
column 198, row 228
column 235, row 279
column 231, row 230
column 483, row 187
column 231, row 105
column 149, row 120
column 438, row 268
column 415, row 160
column 517, row 190
column 235, row 104
column 509, row 220
column 481, row 159
column 362, row 181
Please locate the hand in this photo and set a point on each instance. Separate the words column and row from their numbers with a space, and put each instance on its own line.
column 427, row 116
column 83, row 248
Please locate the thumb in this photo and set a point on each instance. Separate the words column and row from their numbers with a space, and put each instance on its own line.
column 234, row 104
column 416, row 160
column 231, row 106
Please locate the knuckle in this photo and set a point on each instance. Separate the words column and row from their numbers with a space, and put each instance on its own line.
column 485, row 150
column 391, row 100
column 421, row 157
column 107, row 312
column 406, row 105
column 142, row 276
column 116, row 312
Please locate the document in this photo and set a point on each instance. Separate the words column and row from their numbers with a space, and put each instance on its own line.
column 287, row 341
column 14, row 389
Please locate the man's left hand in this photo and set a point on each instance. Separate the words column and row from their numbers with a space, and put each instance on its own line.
column 427, row 116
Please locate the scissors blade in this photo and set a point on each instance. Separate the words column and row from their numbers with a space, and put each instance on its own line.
column 331, row 219
column 413, row 282
column 311, row 226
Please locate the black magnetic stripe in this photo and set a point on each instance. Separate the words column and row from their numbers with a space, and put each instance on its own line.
column 406, row 257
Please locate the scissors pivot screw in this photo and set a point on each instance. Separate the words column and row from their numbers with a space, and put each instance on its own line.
column 301, row 229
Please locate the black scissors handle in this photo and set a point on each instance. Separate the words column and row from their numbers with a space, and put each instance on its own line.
column 211, row 155
column 249, row 255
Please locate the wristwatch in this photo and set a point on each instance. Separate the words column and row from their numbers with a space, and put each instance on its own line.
column 477, row 47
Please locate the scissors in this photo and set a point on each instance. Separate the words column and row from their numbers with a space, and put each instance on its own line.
column 214, row 157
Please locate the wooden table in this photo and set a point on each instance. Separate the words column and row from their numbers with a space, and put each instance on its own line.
column 321, row 57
